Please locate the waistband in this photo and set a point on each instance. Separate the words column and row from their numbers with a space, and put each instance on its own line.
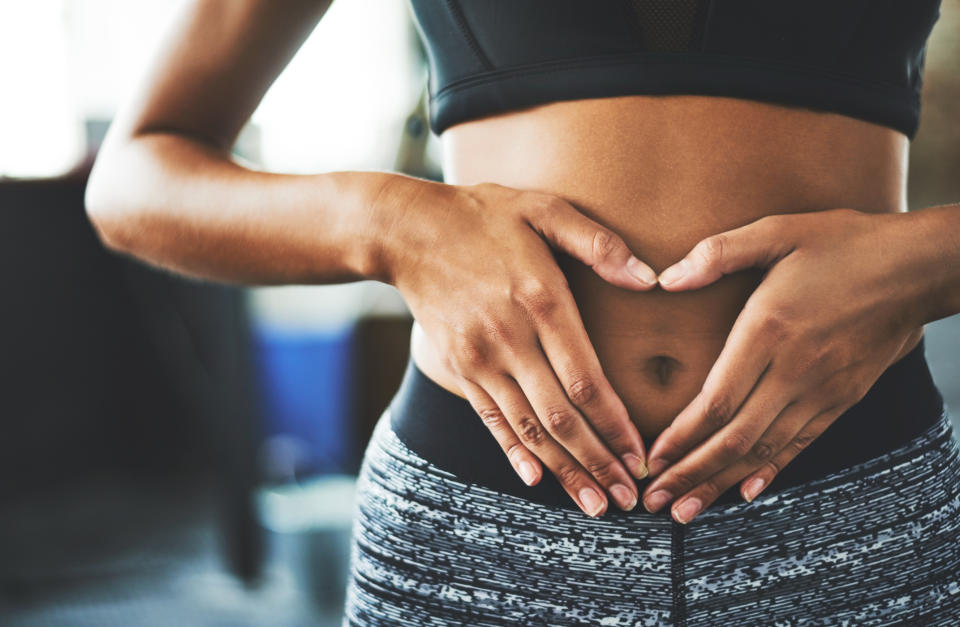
column 444, row 429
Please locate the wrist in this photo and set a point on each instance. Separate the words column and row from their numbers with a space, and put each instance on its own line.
column 931, row 240
column 395, row 224
column 364, row 221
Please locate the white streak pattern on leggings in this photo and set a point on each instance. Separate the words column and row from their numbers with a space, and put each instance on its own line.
column 877, row 543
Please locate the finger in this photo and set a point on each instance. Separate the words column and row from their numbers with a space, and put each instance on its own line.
column 724, row 448
column 593, row 244
column 576, row 481
column 777, row 436
column 568, row 427
column 757, row 481
column 525, row 463
column 758, row 244
column 574, row 361
column 745, row 357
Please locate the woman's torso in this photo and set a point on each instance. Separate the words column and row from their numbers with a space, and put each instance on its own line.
column 665, row 172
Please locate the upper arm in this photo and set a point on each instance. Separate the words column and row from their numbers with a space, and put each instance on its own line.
column 215, row 65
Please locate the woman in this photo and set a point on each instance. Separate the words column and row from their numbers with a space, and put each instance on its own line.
column 755, row 154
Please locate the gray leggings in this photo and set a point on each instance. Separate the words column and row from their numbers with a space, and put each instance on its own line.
column 877, row 543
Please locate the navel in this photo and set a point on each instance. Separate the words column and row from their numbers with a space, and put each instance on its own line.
column 662, row 369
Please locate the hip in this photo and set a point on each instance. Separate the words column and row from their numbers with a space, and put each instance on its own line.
column 445, row 429
column 877, row 542
column 656, row 348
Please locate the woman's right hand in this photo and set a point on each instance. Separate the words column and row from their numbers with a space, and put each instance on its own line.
column 475, row 266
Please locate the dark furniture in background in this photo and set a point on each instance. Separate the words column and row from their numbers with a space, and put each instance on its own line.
column 110, row 366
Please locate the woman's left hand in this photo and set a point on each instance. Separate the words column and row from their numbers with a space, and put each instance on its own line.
column 835, row 308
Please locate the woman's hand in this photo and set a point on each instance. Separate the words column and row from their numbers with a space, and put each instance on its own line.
column 474, row 265
column 834, row 310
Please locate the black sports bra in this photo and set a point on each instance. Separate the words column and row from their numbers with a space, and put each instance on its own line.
column 862, row 58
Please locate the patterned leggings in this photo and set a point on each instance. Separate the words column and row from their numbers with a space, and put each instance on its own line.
column 877, row 543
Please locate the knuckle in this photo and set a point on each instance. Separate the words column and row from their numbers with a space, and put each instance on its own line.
column 603, row 470
column 543, row 206
column 614, row 426
column 537, row 205
column 736, row 443
column 492, row 417
column 846, row 355
column 548, row 201
column 541, row 307
column 567, row 474
column 498, row 330
column 762, row 451
column 835, row 388
column 582, row 390
column 832, row 357
column 561, row 422
column 801, row 441
column 683, row 481
column 530, row 431
column 535, row 297
column 711, row 249
column 615, row 436
column 718, row 412
column 605, row 244
column 775, row 324
column 556, row 205
column 472, row 354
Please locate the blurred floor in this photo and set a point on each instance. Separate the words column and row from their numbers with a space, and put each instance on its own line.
column 126, row 552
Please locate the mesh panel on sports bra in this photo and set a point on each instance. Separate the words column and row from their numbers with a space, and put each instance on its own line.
column 670, row 25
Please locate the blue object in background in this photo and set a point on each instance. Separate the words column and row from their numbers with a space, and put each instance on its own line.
column 305, row 380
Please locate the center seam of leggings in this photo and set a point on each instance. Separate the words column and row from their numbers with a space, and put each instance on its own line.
column 676, row 570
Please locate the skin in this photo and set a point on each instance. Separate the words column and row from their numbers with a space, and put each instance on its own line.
column 667, row 173
column 522, row 269
column 165, row 189
column 803, row 349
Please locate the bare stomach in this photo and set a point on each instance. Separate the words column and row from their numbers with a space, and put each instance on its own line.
column 665, row 172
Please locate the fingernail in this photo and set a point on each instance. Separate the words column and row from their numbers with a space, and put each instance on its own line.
column 674, row 272
column 592, row 502
column 753, row 488
column 656, row 500
column 636, row 465
column 656, row 465
column 625, row 498
column 688, row 509
column 527, row 472
column 641, row 271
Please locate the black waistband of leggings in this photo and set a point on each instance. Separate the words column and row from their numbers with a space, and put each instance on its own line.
column 444, row 429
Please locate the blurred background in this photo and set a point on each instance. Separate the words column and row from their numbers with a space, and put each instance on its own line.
column 174, row 451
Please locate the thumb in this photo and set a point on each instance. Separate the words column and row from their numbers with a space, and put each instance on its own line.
column 759, row 244
column 593, row 244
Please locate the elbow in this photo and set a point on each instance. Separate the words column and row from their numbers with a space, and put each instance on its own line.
column 101, row 216
column 110, row 214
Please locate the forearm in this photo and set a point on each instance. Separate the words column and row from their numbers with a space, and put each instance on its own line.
column 180, row 204
column 931, row 240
